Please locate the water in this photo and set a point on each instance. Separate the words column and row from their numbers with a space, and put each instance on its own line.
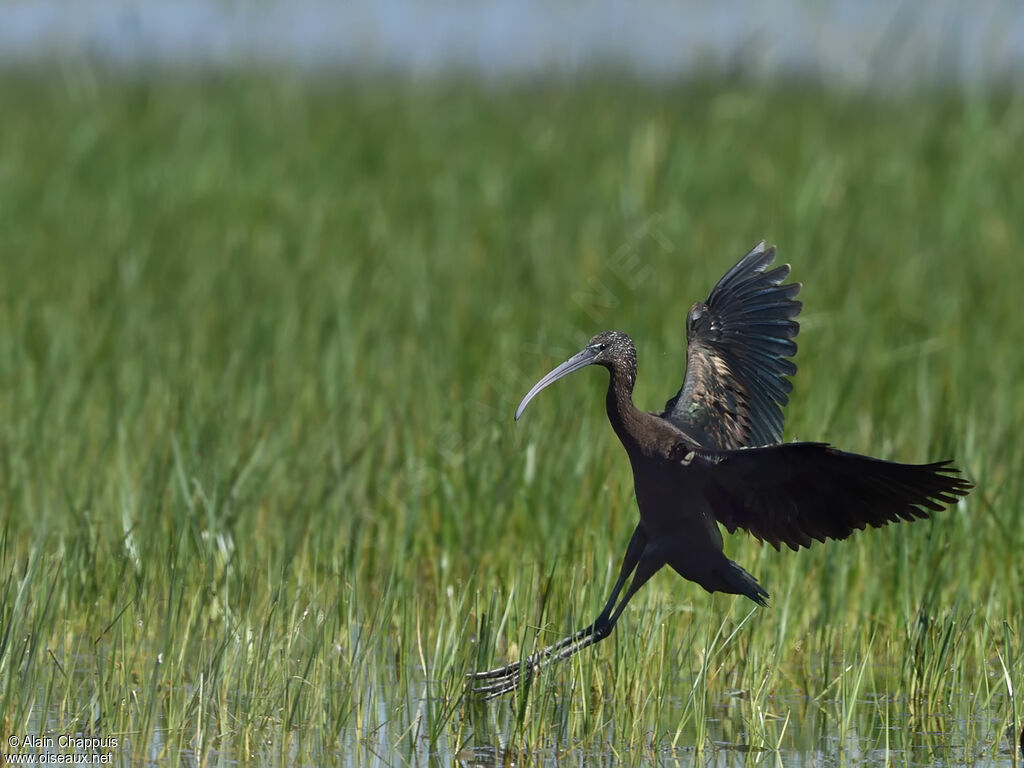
column 786, row 728
column 872, row 43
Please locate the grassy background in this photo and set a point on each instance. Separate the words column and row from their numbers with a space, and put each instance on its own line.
column 260, row 344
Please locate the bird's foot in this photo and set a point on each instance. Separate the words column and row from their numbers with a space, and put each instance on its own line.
column 505, row 679
column 502, row 680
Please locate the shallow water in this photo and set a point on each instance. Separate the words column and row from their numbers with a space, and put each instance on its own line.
column 811, row 738
column 880, row 731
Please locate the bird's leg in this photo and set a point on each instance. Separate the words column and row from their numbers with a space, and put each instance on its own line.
column 629, row 562
column 508, row 677
column 647, row 567
column 515, row 674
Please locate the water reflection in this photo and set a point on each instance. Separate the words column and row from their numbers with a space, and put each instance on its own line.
column 737, row 730
column 881, row 731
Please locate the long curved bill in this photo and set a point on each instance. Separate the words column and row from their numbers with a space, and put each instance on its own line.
column 574, row 363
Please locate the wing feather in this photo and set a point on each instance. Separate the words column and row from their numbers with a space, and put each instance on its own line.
column 737, row 344
column 796, row 492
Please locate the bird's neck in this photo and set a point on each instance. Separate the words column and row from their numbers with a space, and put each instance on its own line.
column 623, row 415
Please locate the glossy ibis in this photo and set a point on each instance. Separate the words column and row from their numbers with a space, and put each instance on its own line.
column 715, row 455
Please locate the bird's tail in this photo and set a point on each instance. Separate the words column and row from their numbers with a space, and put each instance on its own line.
column 742, row 583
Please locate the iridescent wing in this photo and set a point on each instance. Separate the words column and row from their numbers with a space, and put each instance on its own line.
column 795, row 493
column 738, row 342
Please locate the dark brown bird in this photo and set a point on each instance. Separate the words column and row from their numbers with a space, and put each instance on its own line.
column 715, row 455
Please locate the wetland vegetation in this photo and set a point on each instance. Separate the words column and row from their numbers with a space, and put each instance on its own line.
column 262, row 497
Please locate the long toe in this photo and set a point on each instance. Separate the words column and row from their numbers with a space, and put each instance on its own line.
column 497, row 688
column 516, row 675
column 490, row 674
column 568, row 651
column 507, row 688
column 536, row 659
column 505, row 679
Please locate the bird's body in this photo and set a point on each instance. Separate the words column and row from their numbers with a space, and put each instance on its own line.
column 714, row 455
column 676, row 523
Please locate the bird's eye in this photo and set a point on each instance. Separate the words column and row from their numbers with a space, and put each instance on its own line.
column 600, row 347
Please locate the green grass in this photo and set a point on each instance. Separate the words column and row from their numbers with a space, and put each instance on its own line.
column 262, row 497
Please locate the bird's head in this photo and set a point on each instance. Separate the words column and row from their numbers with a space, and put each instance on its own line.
column 612, row 349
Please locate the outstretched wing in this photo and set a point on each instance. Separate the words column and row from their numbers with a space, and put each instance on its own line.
column 737, row 344
column 795, row 492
